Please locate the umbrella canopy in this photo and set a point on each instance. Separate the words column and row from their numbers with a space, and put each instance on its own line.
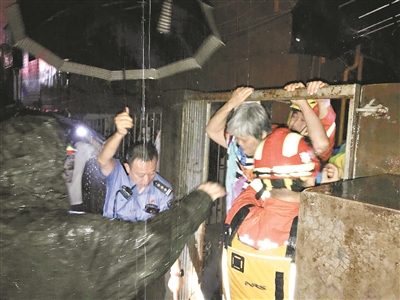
column 116, row 40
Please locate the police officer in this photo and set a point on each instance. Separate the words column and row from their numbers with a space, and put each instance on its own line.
column 135, row 191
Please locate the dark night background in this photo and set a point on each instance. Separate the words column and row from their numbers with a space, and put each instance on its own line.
column 323, row 28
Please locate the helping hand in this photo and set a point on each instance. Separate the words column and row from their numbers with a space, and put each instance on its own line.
column 175, row 284
column 213, row 189
column 330, row 173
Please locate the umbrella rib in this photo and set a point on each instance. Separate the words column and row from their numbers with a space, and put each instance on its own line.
column 206, row 49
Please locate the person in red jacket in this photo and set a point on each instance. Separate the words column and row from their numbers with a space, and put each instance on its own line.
column 282, row 161
column 314, row 118
column 260, row 228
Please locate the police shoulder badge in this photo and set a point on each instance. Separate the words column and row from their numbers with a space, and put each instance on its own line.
column 162, row 187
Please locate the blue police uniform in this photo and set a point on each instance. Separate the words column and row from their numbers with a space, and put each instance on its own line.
column 133, row 207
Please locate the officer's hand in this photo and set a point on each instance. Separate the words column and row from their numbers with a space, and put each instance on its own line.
column 215, row 190
column 123, row 122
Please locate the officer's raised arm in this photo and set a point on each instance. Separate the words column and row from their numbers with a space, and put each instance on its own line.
column 123, row 123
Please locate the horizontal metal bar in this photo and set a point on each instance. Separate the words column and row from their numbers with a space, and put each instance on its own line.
column 330, row 92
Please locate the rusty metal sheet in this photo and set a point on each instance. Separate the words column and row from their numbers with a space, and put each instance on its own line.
column 377, row 131
column 348, row 241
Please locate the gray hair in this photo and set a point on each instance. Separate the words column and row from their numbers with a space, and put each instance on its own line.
column 249, row 119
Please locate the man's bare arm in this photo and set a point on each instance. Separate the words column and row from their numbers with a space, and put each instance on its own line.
column 323, row 104
column 315, row 130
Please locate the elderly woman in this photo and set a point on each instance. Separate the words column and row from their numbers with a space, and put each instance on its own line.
column 248, row 125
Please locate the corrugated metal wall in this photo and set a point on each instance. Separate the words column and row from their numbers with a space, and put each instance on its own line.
column 194, row 168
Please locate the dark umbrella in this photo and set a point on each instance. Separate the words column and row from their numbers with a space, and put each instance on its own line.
column 116, row 40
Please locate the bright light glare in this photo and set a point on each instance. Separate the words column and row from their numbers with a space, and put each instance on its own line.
column 81, row 131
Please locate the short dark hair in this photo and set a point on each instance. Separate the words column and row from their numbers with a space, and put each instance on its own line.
column 144, row 151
